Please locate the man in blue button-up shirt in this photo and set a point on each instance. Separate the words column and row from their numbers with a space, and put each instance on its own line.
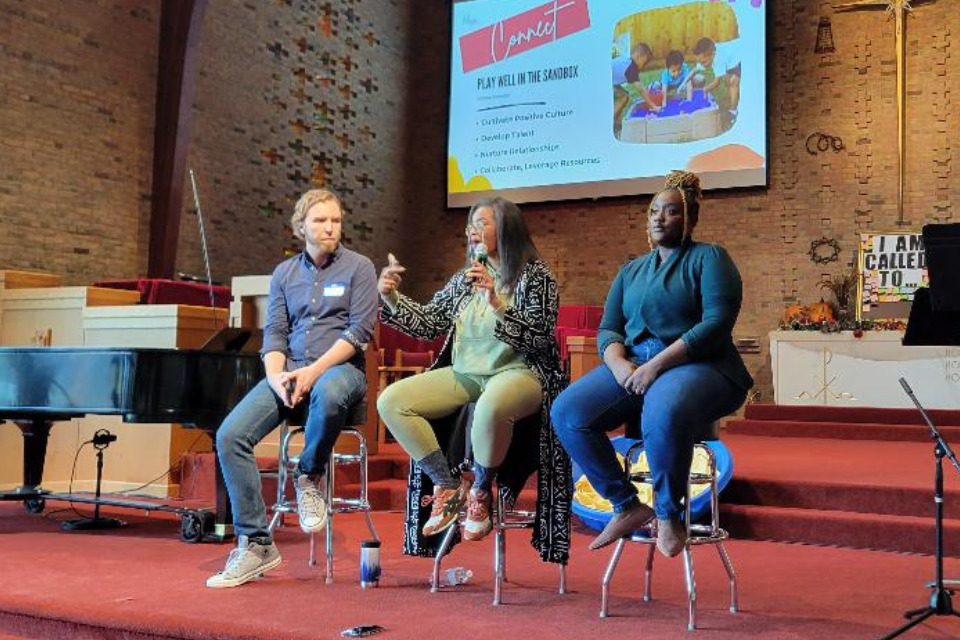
column 320, row 317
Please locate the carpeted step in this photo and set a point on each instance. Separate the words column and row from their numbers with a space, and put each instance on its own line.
column 391, row 495
column 940, row 417
column 197, row 475
column 386, row 481
column 378, row 468
column 861, row 498
column 904, row 534
column 384, row 495
column 884, row 431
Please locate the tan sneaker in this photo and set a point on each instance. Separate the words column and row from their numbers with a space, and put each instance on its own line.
column 248, row 561
column 478, row 523
column 446, row 506
column 671, row 537
column 311, row 507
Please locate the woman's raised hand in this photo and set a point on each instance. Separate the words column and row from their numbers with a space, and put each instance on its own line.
column 390, row 278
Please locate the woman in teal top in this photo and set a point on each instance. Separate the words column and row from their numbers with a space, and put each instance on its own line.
column 499, row 314
column 668, row 361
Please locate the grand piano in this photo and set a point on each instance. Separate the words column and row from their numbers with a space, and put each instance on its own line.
column 42, row 385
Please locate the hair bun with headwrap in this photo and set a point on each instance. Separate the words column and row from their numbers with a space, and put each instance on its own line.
column 685, row 181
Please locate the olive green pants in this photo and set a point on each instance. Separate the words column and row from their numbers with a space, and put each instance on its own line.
column 407, row 406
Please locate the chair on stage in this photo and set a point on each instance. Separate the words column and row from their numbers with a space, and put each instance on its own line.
column 289, row 430
column 405, row 363
column 711, row 469
column 504, row 516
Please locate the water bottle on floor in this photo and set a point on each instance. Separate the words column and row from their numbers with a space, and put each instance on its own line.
column 457, row 575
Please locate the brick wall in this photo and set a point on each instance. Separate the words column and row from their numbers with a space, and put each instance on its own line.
column 352, row 94
column 850, row 94
column 289, row 95
column 292, row 95
column 77, row 92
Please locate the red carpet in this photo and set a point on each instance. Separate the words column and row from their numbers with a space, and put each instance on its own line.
column 816, row 484
column 852, row 423
column 863, row 493
column 142, row 583
column 866, row 493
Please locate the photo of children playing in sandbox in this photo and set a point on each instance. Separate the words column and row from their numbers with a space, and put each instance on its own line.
column 676, row 74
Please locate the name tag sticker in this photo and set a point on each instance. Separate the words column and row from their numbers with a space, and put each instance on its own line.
column 334, row 290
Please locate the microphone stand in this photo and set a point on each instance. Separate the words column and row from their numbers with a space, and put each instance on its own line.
column 941, row 603
column 101, row 440
column 203, row 246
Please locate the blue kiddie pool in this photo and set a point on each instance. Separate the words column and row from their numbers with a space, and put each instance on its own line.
column 597, row 518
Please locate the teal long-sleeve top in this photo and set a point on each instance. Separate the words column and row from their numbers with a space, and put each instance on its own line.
column 694, row 296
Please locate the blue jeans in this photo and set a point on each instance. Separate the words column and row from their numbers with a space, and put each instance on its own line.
column 676, row 411
column 259, row 413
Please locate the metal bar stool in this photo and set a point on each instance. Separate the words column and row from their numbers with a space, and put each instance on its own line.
column 697, row 534
column 335, row 504
column 504, row 519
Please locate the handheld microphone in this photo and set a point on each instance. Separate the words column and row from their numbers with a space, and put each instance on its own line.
column 481, row 254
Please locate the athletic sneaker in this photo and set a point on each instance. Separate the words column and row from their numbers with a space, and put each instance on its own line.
column 478, row 523
column 248, row 561
column 446, row 507
column 311, row 507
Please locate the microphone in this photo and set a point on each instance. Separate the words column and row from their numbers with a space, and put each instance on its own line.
column 102, row 439
column 481, row 254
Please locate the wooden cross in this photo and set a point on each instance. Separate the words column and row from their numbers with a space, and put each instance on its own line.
column 899, row 9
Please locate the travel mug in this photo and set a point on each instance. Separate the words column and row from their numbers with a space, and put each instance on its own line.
column 369, row 563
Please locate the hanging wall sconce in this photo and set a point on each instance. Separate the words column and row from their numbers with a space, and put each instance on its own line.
column 824, row 37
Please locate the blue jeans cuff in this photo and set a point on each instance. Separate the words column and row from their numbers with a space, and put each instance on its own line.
column 625, row 505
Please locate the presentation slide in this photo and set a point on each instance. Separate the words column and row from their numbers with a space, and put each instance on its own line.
column 592, row 98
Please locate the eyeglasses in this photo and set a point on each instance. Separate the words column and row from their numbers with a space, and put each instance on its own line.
column 477, row 226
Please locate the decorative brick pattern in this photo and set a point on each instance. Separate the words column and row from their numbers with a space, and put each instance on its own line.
column 293, row 95
column 944, row 125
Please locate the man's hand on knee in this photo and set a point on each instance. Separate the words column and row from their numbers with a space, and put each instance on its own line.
column 280, row 388
column 301, row 381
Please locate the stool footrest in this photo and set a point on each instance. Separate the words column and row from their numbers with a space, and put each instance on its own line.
column 283, row 508
column 346, row 503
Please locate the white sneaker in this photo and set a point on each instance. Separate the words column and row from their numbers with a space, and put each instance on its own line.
column 311, row 507
column 248, row 561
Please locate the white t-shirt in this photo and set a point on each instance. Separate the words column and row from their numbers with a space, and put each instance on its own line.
column 727, row 58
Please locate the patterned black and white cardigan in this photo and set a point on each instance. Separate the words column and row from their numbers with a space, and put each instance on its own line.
column 527, row 326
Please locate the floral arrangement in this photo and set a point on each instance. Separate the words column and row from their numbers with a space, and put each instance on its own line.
column 843, row 286
column 858, row 327
column 820, row 317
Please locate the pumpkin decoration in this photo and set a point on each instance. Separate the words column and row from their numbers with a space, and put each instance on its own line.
column 795, row 313
column 821, row 312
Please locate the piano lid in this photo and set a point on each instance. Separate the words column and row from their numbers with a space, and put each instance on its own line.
column 142, row 385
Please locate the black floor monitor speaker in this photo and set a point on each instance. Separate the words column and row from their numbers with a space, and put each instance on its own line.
column 942, row 245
